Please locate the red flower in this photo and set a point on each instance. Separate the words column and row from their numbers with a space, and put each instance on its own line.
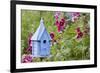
column 57, row 23
column 52, row 35
column 60, row 24
column 59, row 28
column 62, row 21
column 80, row 35
column 78, row 29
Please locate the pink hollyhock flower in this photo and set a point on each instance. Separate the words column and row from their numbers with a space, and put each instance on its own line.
column 76, row 14
column 29, row 49
column 57, row 15
column 29, row 40
column 60, row 24
column 59, row 28
column 62, row 21
column 52, row 35
column 26, row 58
column 57, row 23
column 78, row 30
column 74, row 18
column 79, row 33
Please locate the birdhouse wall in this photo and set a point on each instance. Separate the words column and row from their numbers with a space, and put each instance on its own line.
column 45, row 37
column 35, row 48
column 45, row 44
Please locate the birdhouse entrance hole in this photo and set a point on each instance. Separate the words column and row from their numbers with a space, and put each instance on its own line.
column 44, row 41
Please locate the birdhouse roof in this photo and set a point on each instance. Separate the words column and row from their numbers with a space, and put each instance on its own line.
column 37, row 35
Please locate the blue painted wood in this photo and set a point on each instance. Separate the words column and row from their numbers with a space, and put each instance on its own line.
column 45, row 47
column 35, row 50
column 41, row 48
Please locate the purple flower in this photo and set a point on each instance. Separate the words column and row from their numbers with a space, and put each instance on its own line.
column 29, row 49
column 57, row 14
column 76, row 14
column 26, row 58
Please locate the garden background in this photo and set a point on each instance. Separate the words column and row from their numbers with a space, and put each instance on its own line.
column 70, row 43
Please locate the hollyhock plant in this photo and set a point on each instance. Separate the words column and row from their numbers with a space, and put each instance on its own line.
column 29, row 40
column 53, row 38
column 79, row 33
column 57, row 15
column 57, row 23
column 59, row 28
column 29, row 49
column 60, row 24
column 74, row 19
column 52, row 35
column 78, row 29
column 62, row 21
column 75, row 16
column 26, row 58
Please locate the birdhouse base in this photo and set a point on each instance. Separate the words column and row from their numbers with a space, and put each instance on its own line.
column 41, row 56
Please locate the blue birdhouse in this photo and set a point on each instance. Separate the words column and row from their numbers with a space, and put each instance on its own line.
column 41, row 41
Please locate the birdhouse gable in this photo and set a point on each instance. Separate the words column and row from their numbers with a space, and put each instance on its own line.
column 44, row 35
column 40, row 31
